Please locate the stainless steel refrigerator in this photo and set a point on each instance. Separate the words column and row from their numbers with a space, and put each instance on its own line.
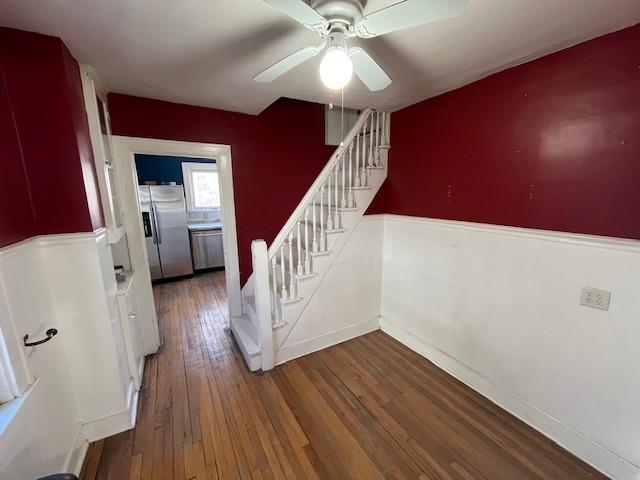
column 164, row 217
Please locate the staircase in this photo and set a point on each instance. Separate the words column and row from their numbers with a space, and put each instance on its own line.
column 288, row 273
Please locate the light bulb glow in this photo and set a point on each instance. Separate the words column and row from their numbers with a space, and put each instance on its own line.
column 336, row 68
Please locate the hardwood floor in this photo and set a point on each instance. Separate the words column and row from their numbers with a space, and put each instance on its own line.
column 368, row 408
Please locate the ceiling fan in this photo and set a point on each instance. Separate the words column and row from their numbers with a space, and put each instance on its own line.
column 336, row 21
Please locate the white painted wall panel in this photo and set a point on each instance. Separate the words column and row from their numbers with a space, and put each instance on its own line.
column 502, row 304
column 90, row 334
column 80, row 383
column 40, row 437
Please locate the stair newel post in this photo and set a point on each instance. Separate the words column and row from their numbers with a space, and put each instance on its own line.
column 260, row 257
column 307, row 263
column 283, row 288
column 313, row 221
column 350, row 198
column 299, row 268
column 357, row 184
column 370, row 159
column 290, row 242
column 336, row 220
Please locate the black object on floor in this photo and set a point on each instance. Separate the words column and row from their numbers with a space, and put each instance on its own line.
column 60, row 476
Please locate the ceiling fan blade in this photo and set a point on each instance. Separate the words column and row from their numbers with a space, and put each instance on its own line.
column 367, row 70
column 301, row 12
column 286, row 64
column 406, row 14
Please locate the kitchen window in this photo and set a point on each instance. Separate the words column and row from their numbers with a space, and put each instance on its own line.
column 202, row 189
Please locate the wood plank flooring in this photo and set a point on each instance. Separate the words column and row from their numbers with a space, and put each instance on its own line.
column 366, row 409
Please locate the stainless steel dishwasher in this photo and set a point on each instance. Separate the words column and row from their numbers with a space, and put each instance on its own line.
column 207, row 249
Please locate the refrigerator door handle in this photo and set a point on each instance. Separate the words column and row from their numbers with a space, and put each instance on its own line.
column 152, row 226
column 156, row 222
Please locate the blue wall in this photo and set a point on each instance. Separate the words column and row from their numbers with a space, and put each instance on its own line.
column 163, row 168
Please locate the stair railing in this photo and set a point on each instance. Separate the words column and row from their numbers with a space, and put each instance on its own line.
column 318, row 213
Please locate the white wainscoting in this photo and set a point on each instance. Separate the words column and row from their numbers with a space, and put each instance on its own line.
column 40, row 426
column 498, row 308
column 347, row 303
column 80, row 388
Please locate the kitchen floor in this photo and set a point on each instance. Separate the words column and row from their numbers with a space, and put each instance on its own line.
column 368, row 408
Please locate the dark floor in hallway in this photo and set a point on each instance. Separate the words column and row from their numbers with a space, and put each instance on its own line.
column 368, row 408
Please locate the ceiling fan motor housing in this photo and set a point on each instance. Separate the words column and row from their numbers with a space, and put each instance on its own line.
column 339, row 12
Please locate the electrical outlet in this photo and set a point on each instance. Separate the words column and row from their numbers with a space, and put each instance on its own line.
column 595, row 298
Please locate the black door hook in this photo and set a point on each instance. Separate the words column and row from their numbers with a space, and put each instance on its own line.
column 52, row 332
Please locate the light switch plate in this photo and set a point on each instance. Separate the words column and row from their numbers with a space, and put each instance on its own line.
column 595, row 298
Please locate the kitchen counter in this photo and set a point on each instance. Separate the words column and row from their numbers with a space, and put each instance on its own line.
column 196, row 227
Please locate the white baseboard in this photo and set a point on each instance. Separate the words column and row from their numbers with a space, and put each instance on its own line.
column 114, row 423
column 575, row 442
column 326, row 340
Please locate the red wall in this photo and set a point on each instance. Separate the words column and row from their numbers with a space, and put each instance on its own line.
column 553, row 144
column 17, row 219
column 48, row 178
column 276, row 155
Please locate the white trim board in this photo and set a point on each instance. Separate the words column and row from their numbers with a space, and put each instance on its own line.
column 114, row 423
column 587, row 449
column 626, row 244
column 124, row 150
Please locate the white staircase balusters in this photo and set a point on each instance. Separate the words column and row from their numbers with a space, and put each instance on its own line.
column 350, row 197
column 336, row 219
column 307, row 262
column 357, row 179
column 377, row 147
column 274, row 287
column 291, row 291
column 294, row 271
column 313, row 230
column 323, row 243
column 370, row 159
column 283, row 290
column 385, row 135
column 329, row 214
column 299, row 268
column 343, row 198
column 363, row 157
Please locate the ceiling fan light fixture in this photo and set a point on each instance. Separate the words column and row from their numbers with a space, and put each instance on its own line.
column 336, row 68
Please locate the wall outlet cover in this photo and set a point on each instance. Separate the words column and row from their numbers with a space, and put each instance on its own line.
column 595, row 298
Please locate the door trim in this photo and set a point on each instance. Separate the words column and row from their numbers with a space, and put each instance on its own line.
column 124, row 149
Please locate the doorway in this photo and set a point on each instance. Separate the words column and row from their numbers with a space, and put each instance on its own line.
column 130, row 155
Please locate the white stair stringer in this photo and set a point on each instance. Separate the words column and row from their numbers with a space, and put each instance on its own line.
column 298, row 260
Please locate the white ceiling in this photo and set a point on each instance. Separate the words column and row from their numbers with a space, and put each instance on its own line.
column 205, row 52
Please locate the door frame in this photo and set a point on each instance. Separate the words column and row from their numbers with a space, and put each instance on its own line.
column 124, row 151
